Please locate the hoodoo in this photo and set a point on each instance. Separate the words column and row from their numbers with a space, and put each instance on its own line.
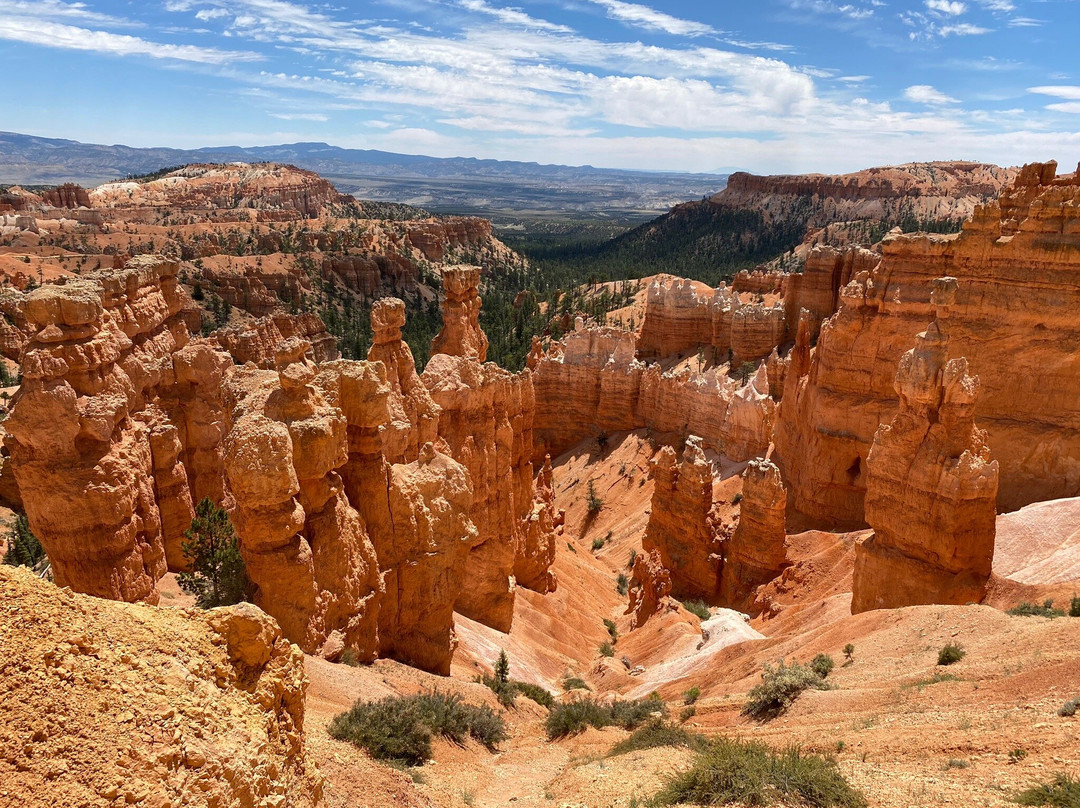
column 756, row 552
column 931, row 485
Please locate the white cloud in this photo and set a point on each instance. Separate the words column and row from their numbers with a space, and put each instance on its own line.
column 651, row 19
column 1025, row 22
column 299, row 116
column 512, row 16
column 952, row 8
column 1068, row 92
column 43, row 9
column 962, row 29
column 56, row 35
column 925, row 94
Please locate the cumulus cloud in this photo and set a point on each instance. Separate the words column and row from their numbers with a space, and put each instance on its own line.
column 952, row 8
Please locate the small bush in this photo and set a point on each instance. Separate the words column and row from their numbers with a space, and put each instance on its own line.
column 1074, row 607
column 936, row 679
column 633, row 558
column 691, row 695
column 607, row 650
column 612, row 629
column 957, row 763
column 401, row 727
column 622, row 584
column 849, row 653
column 748, row 773
column 779, row 688
column 593, row 502
column 686, row 713
column 597, row 544
column 735, row 500
column 576, row 715
column 1063, row 792
column 1017, row 754
column 349, row 657
column 574, row 683
column 505, row 692
column 1068, row 709
column 822, row 665
column 657, row 733
column 697, row 608
column 950, row 653
column 1026, row 609
column 536, row 693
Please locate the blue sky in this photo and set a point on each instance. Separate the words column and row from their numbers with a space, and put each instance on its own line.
column 767, row 85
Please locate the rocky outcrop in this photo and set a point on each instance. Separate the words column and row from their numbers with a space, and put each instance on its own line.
column 684, row 316
column 67, row 195
column 217, row 698
column 98, row 378
column 305, row 547
column 680, row 528
column 539, row 537
column 461, row 334
column 756, row 552
column 817, row 288
column 590, row 383
column 760, row 282
column 413, row 415
column 257, row 341
column 250, row 288
column 227, row 186
column 931, row 485
column 434, row 238
column 942, row 190
column 1018, row 266
column 650, row 586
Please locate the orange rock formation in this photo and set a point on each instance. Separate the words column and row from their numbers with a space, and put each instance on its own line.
column 931, row 485
column 756, row 552
column 650, row 586
column 680, row 529
column 1018, row 266
column 461, row 334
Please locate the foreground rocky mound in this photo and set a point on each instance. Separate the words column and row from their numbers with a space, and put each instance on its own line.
column 108, row 703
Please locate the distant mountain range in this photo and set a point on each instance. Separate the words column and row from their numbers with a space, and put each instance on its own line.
column 457, row 184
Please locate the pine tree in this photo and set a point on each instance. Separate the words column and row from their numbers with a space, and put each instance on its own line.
column 502, row 669
column 217, row 576
column 24, row 549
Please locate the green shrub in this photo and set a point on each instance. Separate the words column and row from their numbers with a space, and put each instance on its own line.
column 505, row 692
column 24, row 549
column 957, row 763
column 218, row 576
column 822, row 665
column 749, row 773
column 950, row 653
column 502, row 668
column 574, row 683
column 691, row 695
column 735, row 500
column 1063, row 792
column 612, row 629
column 597, row 544
column 401, row 727
column 849, row 653
column 607, row 650
column 593, row 501
column 1027, row 609
column 1074, row 607
column 1068, row 709
column 697, row 608
column 538, row 694
column 633, row 558
column 686, row 713
column 578, row 714
column 656, row 733
column 779, row 688
column 622, row 584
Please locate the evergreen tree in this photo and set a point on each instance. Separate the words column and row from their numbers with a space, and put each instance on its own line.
column 502, row 669
column 217, row 576
column 24, row 549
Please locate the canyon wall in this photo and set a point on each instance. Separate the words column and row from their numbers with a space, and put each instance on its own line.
column 931, row 485
column 1018, row 266
column 590, row 383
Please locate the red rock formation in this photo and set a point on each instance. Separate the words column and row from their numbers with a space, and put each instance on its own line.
column 650, row 586
column 679, row 528
column 67, row 195
column 102, row 346
column 253, row 290
column 461, row 334
column 817, row 288
column 756, row 552
column 760, row 282
column 931, row 485
column 682, row 315
column 264, row 186
column 539, row 537
column 590, row 383
column 1018, row 263
column 305, row 547
column 435, row 237
column 756, row 329
column 257, row 341
column 413, row 416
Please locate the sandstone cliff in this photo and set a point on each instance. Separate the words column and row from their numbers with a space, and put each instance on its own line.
column 109, row 703
column 257, row 341
column 650, row 586
column 1018, row 266
column 680, row 529
column 931, row 485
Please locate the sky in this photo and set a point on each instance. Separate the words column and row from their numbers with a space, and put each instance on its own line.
column 770, row 86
